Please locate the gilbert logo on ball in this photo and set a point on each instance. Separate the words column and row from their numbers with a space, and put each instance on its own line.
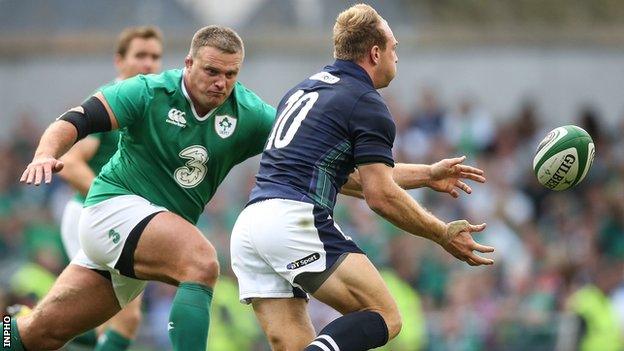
column 563, row 158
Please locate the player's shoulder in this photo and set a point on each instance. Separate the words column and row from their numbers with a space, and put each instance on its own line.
column 248, row 101
column 371, row 103
column 245, row 96
column 106, row 85
column 169, row 80
column 371, row 97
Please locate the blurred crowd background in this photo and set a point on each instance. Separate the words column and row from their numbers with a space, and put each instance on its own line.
column 486, row 79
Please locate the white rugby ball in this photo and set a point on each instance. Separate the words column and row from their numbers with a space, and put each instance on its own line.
column 564, row 157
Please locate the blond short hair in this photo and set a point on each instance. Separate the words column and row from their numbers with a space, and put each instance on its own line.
column 356, row 31
column 130, row 33
column 218, row 37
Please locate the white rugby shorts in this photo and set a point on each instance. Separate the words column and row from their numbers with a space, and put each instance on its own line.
column 104, row 229
column 69, row 227
column 275, row 240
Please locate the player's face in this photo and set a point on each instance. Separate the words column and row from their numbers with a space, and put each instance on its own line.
column 142, row 57
column 388, row 59
column 211, row 76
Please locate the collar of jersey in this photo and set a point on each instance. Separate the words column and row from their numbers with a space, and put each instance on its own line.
column 188, row 98
column 353, row 69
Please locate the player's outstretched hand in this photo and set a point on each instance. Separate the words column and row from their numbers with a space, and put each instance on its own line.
column 459, row 243
column 41, row 169
column 447, row 175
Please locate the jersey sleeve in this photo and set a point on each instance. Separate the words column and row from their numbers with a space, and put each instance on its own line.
column 372, row 131
column 128, row 99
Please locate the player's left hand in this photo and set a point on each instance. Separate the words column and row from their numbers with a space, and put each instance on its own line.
column 459, row 243
column 447, row 175
column 41, row 169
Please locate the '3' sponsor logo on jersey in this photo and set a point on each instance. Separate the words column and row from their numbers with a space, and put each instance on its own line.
column 194, row 170
column 176, row 117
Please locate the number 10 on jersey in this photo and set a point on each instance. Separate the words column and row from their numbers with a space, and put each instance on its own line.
column 277, row 138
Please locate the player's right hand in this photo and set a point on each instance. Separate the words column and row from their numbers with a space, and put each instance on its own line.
column 459, row 243
column 41, row 168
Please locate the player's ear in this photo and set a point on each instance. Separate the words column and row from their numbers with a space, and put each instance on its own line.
column 118, row 62
column 188, row 61
column 375, row 54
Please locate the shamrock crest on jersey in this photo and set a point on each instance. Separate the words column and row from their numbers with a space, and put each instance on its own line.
column 225, row 125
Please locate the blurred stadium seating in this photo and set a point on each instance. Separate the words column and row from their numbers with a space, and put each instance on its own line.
column 486, row 79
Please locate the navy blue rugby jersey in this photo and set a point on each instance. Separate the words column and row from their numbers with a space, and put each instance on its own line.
column 325, row 126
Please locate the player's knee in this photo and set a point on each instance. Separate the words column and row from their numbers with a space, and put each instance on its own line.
column 42, row 336
column 54, row 344
column 204, row 267
column 51, row 338
column 200, row 265
column 393, row 322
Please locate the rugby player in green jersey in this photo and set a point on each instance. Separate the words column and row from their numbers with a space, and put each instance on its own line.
column 182, row 132
column 139, row 51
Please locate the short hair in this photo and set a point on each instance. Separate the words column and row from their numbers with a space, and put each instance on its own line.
column 130, row 33
column 219, row 37
column 356, row 31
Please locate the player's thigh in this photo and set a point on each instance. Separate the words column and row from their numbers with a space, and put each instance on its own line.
column 172, row 250
column 356, row 285
column 79, row 300
column 285, row 322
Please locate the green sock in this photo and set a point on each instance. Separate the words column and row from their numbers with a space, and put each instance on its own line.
column 15, row 343
column 112, row 341
column 88, row 338
column 190, row 317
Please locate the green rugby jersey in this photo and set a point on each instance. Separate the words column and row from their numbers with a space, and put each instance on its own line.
column 106, row 149
column 167, row 153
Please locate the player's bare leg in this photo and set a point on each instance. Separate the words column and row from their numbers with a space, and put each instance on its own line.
column 356, row 285
column 370, row 314
column 285, row 322
column 68, row 309
column 174, row 251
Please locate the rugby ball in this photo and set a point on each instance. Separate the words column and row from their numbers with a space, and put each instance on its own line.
column 563, row 158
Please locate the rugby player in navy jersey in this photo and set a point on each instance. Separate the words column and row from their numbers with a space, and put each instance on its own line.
column 285, row 243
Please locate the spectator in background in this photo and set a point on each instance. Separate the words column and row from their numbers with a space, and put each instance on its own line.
column 617, row 300
column 421, row 141
column 429, row 114
column 589, row 119
column 598, row 325
column 396, row 276
column 233, row 324
column 469, row 129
